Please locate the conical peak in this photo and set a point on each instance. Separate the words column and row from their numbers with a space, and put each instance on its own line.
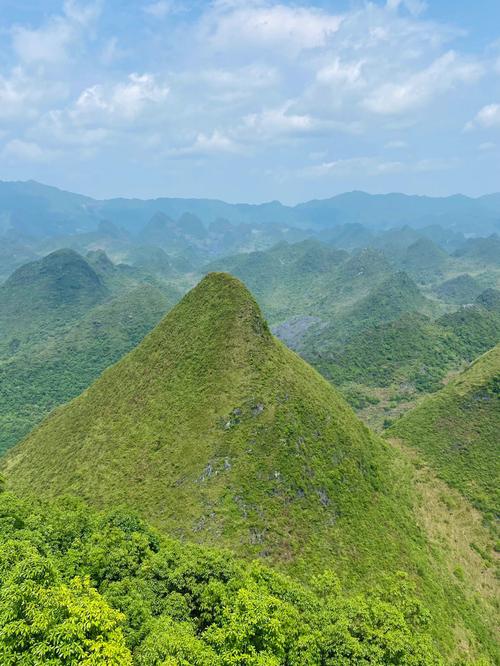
column 227, row 300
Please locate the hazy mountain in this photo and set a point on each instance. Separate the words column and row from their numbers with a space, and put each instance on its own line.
column 44, row 294
column 41, row 211
column 459, row 290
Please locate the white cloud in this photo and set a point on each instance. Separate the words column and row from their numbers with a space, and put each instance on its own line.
column 25, row 151
column 22, row 95
column 53, row 41
column 208, row 144
column 419, row 88
column 341, row 73
column 242, row 25
column 160, row 9
column 488, row 117
column 278, row 80
column 415, row 7
column 375, row 166
column 279, row 121
column 122, row 101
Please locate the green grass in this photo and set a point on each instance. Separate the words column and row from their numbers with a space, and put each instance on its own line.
column 218, row 434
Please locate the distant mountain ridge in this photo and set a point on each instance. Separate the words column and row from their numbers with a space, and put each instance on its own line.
column 37, row 209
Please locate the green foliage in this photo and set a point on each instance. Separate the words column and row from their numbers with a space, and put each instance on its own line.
column 218, row 433
column 43, row 620
column 162, row 603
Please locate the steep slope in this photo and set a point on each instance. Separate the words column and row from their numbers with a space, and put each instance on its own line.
column 219, row 434
column 42, row 376
column 458, row 431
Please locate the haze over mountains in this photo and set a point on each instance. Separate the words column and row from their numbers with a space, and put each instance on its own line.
column 40, row 210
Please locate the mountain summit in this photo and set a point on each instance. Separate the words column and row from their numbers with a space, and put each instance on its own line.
column 217, row 432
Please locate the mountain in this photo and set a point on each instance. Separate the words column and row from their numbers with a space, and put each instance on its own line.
column 16, row 249
column 218, row 433
column 40, row 210
column 424, row 260
column 395, row 210
column 45, row 293
column 388, row 348
column 459, row 290
column 395, row 296
column 481, row 250
column 287, row 279
column 457, row 431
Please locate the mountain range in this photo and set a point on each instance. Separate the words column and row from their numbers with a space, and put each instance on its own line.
column 39, row 210
column 219, row 434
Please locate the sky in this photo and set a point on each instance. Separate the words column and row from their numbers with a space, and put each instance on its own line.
column 251, row 100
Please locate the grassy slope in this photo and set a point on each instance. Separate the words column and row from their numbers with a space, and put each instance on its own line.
column 219, row 434
column 42, row 376
column 458, row 431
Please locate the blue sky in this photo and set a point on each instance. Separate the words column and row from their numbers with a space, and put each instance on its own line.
column 251, row 100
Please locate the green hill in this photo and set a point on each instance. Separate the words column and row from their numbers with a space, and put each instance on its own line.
column 457, row 430
column 481, row 250
column 217, row 433
column 459, row 290
column 425, row 260
column 45, row 293
column 396, row 295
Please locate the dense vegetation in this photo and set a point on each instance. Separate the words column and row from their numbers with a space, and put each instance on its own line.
column 214, row 420
column 457, row 430
column 80, row 587
column 217, row 434
column 43, row 295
